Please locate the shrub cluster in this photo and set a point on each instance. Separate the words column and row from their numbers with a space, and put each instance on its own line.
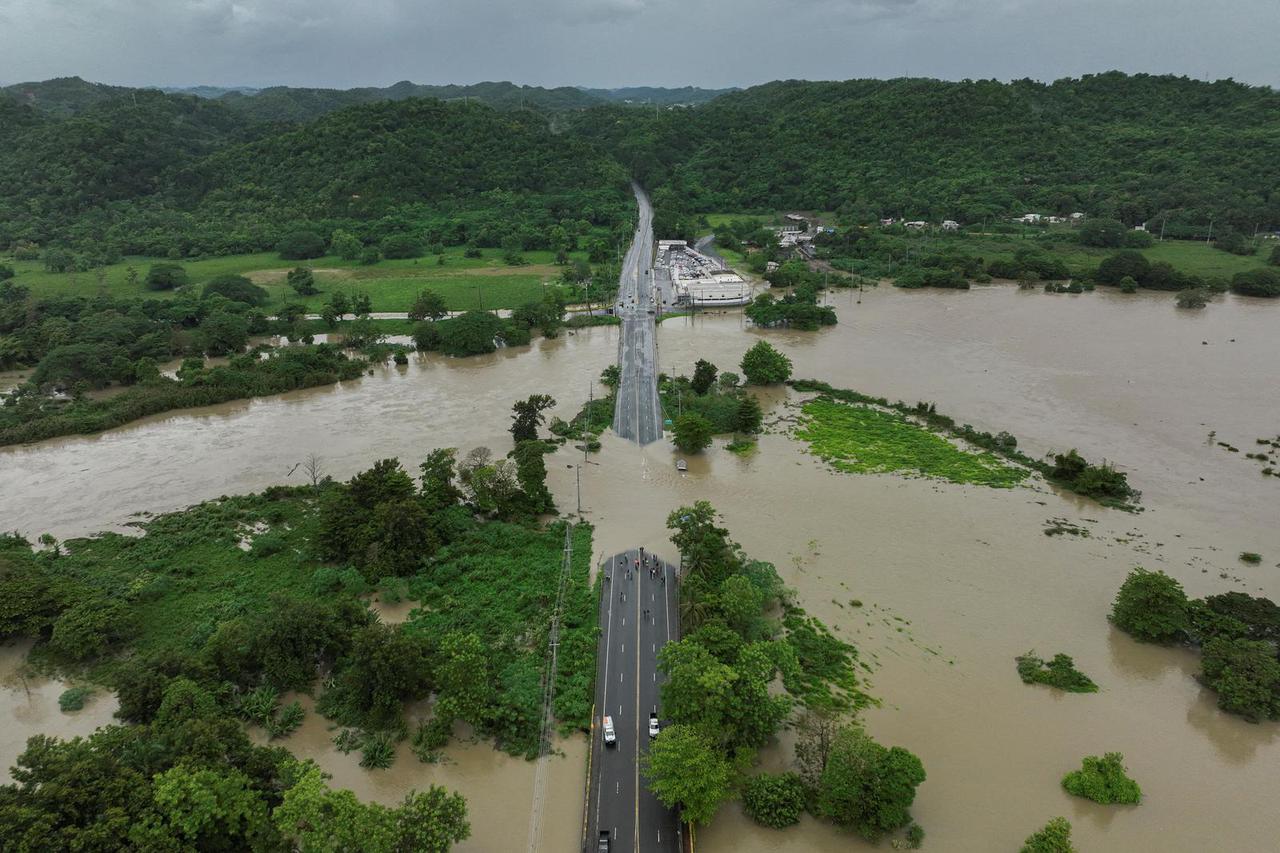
column 1103, row 780
column 1237, row 633
column 1059, row 672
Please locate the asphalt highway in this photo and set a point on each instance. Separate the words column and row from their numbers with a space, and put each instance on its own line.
column 638, row 615
column 638, row 414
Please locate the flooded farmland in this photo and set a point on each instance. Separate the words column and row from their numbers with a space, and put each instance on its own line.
column 954, row 581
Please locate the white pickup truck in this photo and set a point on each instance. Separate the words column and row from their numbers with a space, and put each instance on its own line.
column 610, row 736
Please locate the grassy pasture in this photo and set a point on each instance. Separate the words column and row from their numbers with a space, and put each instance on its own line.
column 464, row 283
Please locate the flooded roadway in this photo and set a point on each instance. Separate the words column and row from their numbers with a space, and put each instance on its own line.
column 969, row 570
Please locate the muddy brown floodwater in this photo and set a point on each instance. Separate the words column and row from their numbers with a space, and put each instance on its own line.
column 953, row 581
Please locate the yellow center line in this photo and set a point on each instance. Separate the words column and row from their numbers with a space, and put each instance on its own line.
column 637, row 761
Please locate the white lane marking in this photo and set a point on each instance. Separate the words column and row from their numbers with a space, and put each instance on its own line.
column 605, row 698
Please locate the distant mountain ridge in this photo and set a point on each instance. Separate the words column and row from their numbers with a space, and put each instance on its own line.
column 68, row 96
column 685, row 95
column 209, row 91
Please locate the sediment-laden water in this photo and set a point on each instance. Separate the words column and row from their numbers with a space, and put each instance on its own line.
column 968, row 572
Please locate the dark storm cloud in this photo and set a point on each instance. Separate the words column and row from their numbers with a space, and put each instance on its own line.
column 622, row 42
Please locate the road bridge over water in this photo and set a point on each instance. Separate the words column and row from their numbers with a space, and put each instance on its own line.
column 637, row 413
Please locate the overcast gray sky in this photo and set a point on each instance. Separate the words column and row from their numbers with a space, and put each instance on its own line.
column 710, row 43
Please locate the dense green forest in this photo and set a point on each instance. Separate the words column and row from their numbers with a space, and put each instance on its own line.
column 154, row 174
column 1132, row 148
column 110, row 170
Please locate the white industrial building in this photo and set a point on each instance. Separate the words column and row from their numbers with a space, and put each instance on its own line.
column 698, row 280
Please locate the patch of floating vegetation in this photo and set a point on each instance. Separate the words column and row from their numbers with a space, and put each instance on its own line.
column 862, row 439
column 1059, row 526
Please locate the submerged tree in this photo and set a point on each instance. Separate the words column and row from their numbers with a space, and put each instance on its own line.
column 704, row 376
column 527, row 416
column 692, row 432
column 764, row 365
column 867, row 787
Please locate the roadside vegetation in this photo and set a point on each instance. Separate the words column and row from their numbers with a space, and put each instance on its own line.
column 1070, row 471
column 1237, row 635
column 595, row 416
column 722, row 711
column 241, row 600
column 708, row 403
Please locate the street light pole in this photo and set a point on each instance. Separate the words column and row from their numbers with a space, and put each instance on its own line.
column 578, row 472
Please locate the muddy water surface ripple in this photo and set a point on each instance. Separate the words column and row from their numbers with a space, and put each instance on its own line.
column 967, row 572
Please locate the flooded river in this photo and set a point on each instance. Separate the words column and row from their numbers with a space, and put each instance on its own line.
column 968, row 571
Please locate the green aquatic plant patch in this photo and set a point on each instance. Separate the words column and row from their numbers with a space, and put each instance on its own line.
column 865, row 440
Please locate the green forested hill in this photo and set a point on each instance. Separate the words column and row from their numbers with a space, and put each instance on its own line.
column 1129, row 147
column 63, row 96
column 145, row 172
column 416, row 158
column 68, row 180
column 159, row 174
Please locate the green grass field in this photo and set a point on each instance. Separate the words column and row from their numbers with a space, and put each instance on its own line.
column 1190, row 256
column 465, row 283
column 1193, row 257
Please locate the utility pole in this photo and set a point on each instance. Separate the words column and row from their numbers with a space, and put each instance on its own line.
column 1209, row 239
column 1163, row 223
column 578, row 472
